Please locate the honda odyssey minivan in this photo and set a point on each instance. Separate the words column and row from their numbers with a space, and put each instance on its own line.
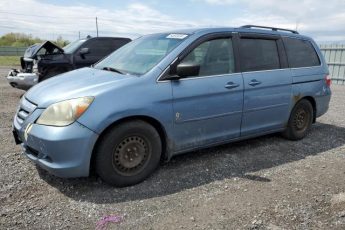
column 170, row 93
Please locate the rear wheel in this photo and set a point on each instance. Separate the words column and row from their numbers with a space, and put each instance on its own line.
column 128, row 153
column 300, row 121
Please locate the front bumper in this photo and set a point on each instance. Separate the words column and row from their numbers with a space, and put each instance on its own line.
column 21, row 80
column 62, row 151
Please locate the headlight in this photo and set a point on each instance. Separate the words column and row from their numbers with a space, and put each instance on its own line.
column 35, row 66
column 65, row 112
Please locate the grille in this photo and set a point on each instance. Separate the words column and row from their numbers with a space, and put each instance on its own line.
column 32, row 151
column 22, row 115
column 25, row 109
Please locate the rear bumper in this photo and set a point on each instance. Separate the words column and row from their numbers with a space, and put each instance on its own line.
column 62, row 151
column 22, row 80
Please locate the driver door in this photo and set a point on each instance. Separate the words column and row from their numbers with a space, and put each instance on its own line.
column 208, row 107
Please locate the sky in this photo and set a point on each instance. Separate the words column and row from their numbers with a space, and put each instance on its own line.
column 322, row 20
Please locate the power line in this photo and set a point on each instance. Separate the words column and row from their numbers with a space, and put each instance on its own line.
column 56, row 17
column 41, row 16
column 9, row 27
column 38, row 23
column 65, row 32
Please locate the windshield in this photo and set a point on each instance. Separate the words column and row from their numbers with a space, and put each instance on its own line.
column 141, row 55
column 71, row 47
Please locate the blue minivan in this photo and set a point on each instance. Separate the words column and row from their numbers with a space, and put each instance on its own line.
column 170, row 93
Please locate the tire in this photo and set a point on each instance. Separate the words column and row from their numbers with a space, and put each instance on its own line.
column 128, row 153
column 300, row 121
column 49, row 74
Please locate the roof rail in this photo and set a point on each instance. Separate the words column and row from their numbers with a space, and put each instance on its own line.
column 267, row 27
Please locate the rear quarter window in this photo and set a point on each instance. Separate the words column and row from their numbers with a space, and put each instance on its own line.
column 300, row 53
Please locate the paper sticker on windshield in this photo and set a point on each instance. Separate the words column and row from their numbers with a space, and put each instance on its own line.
column 177, row 36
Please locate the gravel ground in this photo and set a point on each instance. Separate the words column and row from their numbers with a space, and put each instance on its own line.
column 262, row 183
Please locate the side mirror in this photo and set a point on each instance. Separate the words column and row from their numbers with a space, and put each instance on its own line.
column 182, row 70
column 84, row 51
column 187, row 70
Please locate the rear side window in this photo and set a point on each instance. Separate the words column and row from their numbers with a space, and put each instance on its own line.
column 117, row 43
column 259, row 54
column 102, row 47
column 300, row 53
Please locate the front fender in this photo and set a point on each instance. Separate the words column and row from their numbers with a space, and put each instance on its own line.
column 145, row 98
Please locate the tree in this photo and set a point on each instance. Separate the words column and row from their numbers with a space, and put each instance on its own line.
column 61, row 42
column 25, row 40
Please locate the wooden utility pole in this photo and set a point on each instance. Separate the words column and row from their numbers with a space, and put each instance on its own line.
column 97, row 26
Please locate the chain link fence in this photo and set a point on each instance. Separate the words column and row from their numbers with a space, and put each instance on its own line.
column 12, row 51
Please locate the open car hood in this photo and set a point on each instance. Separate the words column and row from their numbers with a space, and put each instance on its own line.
column 49, row 48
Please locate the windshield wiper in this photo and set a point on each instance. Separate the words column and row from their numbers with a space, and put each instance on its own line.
column 113, row 70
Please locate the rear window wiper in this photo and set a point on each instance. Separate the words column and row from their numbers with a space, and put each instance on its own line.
column 113, row 70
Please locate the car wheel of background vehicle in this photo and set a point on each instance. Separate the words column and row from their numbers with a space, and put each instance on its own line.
column 128, row 153
column 50, row 74
column 300, row 121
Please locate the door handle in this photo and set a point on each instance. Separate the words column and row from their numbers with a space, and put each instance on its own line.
column 254, row 82
column 231, row 85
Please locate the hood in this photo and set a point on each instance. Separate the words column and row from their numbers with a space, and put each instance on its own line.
column 73, row 84
column 49, row 47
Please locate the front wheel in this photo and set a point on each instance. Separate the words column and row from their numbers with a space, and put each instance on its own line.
column 300, row 121
column 50, row 74
column 128, row 153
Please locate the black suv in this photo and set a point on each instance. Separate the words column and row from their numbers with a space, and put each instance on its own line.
column 45, row 60
column 80, row 53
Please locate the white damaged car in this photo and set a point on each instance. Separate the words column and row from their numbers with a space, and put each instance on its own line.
column 27, row 76
column 22, row 80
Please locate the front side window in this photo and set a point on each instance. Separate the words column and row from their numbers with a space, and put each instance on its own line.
column 141, row 55
column 73, row 46
column 215, row 57
column 259, row 54
column 300, row 53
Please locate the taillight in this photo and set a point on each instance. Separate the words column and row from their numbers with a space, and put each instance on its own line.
column 328, row 80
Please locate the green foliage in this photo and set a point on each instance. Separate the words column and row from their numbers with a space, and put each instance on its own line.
column 61, row 42
column 18, row 40
column 25, row 40
column 9, row 61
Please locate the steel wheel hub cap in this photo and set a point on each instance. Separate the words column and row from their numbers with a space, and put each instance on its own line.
column 130, row 154
column 301, row 119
